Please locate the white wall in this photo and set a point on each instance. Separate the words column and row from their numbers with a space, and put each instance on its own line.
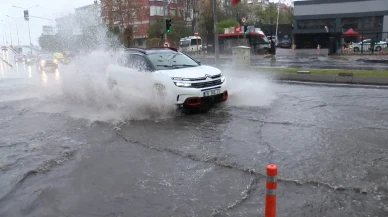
column 341, row 8
column 385, row 27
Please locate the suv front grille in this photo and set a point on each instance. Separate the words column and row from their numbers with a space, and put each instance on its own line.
column 206, row 84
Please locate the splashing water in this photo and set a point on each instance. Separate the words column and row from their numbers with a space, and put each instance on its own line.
column 248, row 89
column 83, row 92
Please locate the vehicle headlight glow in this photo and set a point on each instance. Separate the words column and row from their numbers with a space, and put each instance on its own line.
column 42, row 62
column 55, row 61
column 222, row 78
column 182, row 84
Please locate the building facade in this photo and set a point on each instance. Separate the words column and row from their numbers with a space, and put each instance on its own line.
column 317, row 20
column 144, row 13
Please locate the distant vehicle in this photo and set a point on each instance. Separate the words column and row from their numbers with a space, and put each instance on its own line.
column 190, row 44
column 20, row 58
column 192, row 84
column 58, row 56
column 285, row 43
column 46, row 60
column 30, row 59
column 366, row 45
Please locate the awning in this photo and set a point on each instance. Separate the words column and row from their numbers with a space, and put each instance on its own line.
column 351, row 33
column 240, row 34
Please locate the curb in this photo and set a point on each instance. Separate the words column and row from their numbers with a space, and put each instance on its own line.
column 334, row 79
column 321, row 84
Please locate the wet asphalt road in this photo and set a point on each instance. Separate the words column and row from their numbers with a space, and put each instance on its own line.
column 308, row 58
column 329, row 143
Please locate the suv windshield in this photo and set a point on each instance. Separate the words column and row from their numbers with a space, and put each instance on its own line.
column 170, row 60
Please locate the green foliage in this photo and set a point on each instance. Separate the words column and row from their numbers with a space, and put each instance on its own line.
column 268, row 14
column 155, row 29
column 153, row 42
column 226, row 24
column 49, row 43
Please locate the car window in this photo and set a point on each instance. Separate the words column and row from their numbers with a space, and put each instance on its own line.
column 171, row 60
column 134, row 61
column 138, row 62
column 184, row 43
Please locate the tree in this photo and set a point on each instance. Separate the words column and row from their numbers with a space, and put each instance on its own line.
column 49, row 43
column 179, row 30
column 124, row 12
column 206, row 21
column 267, row 14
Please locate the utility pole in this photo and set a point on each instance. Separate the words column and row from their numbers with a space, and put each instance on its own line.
column 277, row 21
column 29, row 31
column 216, row 46
column 17, row 27
column 164, row 20
column 10, row 34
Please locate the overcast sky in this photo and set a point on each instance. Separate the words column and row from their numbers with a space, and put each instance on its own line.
column 47, row 8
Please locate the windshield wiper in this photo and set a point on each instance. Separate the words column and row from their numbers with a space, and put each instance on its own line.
column 166, row 65
column 180, row 65
column 184, row 65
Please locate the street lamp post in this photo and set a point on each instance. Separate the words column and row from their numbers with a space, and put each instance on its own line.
column 17, row 28
column 215, row 27
column 10, row 32
column 29, row 31
column 5, row 33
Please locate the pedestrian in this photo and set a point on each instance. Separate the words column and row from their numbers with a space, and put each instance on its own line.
column 372, row 45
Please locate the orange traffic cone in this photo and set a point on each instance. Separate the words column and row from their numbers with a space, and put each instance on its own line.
column 318, row 47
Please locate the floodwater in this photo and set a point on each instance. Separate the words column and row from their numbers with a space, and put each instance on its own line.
column 71, row 148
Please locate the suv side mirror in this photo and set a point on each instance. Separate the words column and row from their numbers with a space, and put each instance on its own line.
column 198, row 61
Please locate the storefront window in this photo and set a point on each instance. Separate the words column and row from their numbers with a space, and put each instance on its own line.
column 357, row 23
column 316, row 24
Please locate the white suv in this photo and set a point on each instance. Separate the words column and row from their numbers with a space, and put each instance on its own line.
column 192, row 84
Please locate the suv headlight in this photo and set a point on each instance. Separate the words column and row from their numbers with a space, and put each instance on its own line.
column 180, row 79
column 222, row 78
column 182, row 84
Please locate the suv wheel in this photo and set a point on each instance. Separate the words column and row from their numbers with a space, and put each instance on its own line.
column 378, row 48
column 356, row 49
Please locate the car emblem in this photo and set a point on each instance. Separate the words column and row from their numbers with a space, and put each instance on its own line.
column 207, row 76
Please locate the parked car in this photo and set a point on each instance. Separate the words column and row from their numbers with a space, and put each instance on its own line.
column 366, row 45
column 192, row 85
column 285, row 43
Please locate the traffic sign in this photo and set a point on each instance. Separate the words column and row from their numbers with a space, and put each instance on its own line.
column 166, row 44
column 196, row 33
column 237, row 29
column 243, row 19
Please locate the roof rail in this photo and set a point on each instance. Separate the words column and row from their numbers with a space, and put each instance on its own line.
column 141, row 50
column 170, row 48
